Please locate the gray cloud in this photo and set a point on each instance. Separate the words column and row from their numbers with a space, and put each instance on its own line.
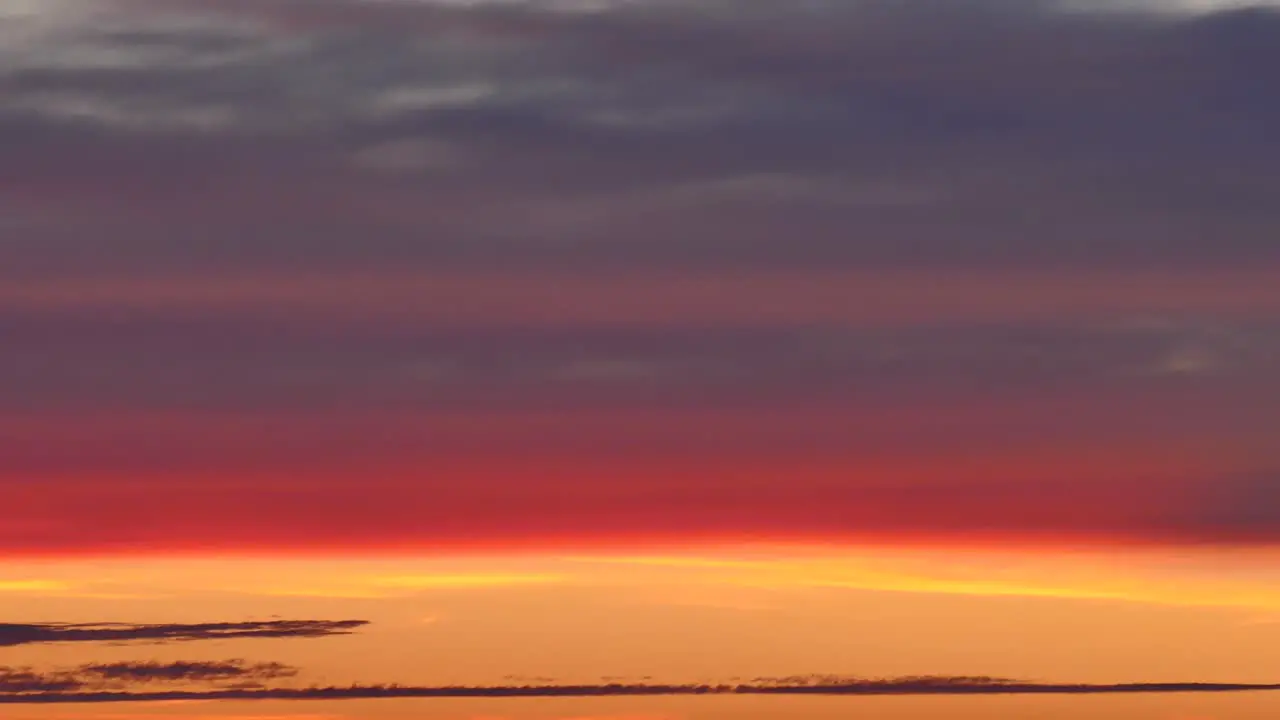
column 325, row 234
column 176, row 392
column 163, row 360
column 981, row 132
column 1243, row 506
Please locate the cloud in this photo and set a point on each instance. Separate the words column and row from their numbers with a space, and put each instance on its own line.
column 39, row 633
column 25, row 680
column 746, row 478
column 882, row 134
column 118, row 676
column 170, row 359
column 1244, row 506
column 917, row 685
column 146, row 672
column 380, row 246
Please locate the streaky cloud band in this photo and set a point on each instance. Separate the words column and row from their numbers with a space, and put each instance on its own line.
column 909, row 686
column 12, row 634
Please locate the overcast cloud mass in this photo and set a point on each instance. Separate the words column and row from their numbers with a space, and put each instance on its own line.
column 386, row 245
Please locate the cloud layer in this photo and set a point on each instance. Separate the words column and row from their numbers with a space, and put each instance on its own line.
column 658, row 134
column 399, row 273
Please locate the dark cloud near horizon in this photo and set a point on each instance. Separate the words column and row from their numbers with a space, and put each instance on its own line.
column 12, row 634
column 916, row 685
column 686, row 135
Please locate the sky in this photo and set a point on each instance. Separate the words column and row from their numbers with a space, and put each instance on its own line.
column 531, row 342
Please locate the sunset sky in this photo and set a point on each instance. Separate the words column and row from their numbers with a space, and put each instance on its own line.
column 546, row 342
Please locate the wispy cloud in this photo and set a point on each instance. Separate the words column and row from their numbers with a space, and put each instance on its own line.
column 856, row 114
column 39, row 633
column 120, row 676
column 801, row 685
column 146, row 672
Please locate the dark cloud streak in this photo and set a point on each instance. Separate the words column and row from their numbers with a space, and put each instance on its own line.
column 12, row 634
column 908, row 686
column 203, row 671
column 118, row 676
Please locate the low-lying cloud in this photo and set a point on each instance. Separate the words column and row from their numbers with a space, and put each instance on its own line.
column 916, row 685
